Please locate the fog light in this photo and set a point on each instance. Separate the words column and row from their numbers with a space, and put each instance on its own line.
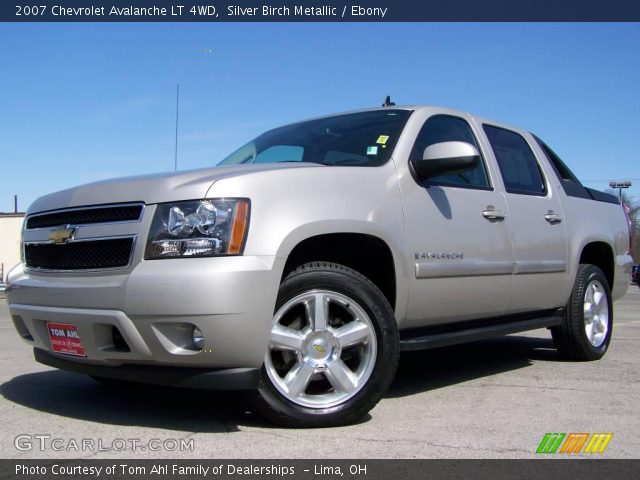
column 197, row 338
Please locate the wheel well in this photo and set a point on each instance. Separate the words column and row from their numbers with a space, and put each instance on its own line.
column 600, row 255
column 365, row 254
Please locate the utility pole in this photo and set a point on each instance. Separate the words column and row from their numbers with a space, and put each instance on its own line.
column 175, row 159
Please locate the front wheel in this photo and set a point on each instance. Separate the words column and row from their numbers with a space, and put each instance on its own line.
column 585, row 333
column 333, row 348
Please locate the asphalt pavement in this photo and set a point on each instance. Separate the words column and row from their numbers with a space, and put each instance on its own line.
column 491, row 399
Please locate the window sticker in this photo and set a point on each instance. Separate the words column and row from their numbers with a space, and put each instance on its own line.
column 372, row 150
column 382, row 139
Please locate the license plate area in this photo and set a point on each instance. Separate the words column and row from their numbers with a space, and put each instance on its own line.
column 64, row 338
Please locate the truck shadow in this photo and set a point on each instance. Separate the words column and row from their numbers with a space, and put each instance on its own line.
column 422, row 371
column 79, row 397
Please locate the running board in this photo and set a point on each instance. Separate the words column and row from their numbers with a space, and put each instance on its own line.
column 437, row 340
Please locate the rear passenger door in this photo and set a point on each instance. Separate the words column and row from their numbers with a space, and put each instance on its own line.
column 539, row 238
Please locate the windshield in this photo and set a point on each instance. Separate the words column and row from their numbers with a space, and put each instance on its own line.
column 357, row 139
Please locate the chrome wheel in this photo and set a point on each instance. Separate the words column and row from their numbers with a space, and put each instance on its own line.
column 596, row 313
column 322, row 349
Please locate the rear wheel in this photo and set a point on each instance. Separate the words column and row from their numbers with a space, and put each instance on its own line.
column 333, row 348
column 585, row 333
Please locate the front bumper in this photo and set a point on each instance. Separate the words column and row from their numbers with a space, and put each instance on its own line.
column 154, row 308
column 184, row 377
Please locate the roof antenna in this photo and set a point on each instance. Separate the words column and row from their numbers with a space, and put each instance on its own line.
column 388, row 102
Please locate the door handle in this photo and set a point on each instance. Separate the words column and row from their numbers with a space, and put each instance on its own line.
column 552, row 218
column 493, row 215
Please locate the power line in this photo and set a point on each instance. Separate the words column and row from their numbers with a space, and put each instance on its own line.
column 609, row 180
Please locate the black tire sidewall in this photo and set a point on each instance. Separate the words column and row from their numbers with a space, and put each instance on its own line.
column 575, row 330
column 370, row 299
column 596, row 274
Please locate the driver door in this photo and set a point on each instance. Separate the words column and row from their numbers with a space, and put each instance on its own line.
column 457, row 233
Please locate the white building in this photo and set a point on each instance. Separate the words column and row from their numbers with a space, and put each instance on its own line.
column 10, row 231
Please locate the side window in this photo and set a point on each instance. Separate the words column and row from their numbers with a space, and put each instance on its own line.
column 518, row 166
column 445, row 128
column 280, row 153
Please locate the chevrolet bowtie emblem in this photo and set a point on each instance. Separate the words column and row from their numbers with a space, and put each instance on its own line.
column 62, row 234
column 319, row 348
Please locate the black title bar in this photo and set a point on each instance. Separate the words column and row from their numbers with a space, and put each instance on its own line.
column 218, row 469
column 319, row 11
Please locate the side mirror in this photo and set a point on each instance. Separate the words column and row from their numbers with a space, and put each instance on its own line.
column 446, row 157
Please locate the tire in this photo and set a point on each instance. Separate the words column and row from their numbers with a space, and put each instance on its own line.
column 587, row 337
column 333, row 349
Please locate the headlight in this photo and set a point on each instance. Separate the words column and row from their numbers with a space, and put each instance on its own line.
column 200, row 228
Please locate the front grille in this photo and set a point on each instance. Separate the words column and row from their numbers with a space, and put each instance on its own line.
column 84, row 216
column 89, row 255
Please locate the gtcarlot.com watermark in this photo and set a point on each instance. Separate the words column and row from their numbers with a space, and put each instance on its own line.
column 44, row 442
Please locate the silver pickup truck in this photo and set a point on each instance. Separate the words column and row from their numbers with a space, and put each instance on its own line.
column 301, row 265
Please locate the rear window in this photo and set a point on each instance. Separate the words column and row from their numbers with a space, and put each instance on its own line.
column 570, row 183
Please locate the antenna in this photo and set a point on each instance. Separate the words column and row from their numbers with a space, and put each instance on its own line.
column 388, row 102
column 175, row 160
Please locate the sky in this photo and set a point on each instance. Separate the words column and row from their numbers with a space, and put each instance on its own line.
column 85, row 102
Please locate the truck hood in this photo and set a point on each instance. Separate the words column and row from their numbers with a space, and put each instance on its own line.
column 154, row 188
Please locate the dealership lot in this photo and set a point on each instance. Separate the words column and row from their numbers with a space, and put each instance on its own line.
column 491, row 399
